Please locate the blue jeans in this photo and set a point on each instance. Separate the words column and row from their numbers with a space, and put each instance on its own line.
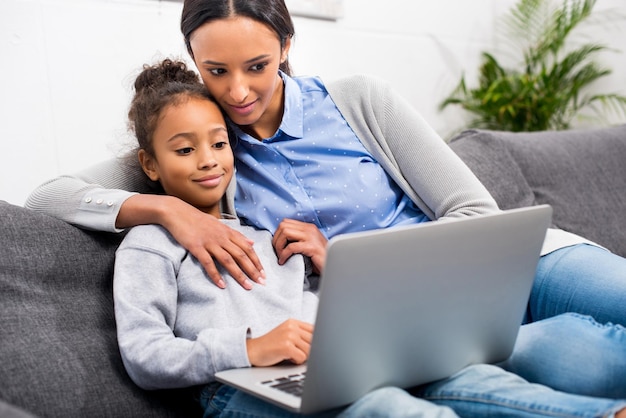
column 583, row 279
column 476, row 391
column 570, row 352
column 223, row 401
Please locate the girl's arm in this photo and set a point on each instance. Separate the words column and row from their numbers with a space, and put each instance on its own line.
column 116, row 194
column 145, row 292
column 290, row 341
column 147, row 297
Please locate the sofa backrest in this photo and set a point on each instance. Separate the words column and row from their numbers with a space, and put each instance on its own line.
column 581, row 173
column 57, row 336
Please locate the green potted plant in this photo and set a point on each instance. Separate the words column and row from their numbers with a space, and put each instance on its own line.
column 551, row 85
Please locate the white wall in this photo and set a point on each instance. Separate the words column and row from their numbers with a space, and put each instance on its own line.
column 67, row 66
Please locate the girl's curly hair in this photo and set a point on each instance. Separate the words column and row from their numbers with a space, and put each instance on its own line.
column 157, row 87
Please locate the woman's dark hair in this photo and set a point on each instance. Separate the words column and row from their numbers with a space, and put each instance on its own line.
column 156, row 87
column 272, row 13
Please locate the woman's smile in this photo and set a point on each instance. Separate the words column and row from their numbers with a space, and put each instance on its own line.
column 243, row 110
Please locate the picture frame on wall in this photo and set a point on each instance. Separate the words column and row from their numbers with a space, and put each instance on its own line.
column 317, row 9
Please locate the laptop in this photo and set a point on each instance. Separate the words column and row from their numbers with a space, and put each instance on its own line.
column 409, row 305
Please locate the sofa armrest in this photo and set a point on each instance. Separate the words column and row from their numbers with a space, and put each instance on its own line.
column 59, row 347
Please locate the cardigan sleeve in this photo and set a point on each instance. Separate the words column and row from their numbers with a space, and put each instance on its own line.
column 409, row 149
column 92, row 198
column 412, row 153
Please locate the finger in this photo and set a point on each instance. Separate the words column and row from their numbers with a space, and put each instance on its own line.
column 249, row 261
column 279, row 240
column 205, row 259
column 307, row 332
column 294, row 247
column 284, row 254
column 232, row 267
column 245, row 257
column 301, row 351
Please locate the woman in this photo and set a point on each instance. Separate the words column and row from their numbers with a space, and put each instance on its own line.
column 177, row 329
column 298, row 140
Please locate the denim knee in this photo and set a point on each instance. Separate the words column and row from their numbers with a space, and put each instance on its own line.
column 487, row 390
column 572, row 353
column 395, row 402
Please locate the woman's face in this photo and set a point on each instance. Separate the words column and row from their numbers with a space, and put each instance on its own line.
column 238, row 60
column 192, row 156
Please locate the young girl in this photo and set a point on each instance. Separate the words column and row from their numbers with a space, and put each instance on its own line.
column 184, row 145
column 176, row 328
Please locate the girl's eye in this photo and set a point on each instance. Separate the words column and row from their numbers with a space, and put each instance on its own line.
column 220, row 145
column 184, row 151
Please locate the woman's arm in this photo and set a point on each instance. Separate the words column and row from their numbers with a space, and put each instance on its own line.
column 203, row 235
column 92, row 198
column 116, row 194
column 409, row 150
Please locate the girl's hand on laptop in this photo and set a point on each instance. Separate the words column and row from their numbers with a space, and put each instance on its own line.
column 290, row 341
column 297, row 237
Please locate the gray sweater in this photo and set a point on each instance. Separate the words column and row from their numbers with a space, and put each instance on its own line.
column 176, row 328
column 409, row 150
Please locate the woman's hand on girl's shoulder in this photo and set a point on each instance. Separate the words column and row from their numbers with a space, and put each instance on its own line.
column 211, row 241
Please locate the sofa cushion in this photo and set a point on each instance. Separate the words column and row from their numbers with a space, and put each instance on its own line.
column 59, row 349
column 490, row 160
column 579, row 172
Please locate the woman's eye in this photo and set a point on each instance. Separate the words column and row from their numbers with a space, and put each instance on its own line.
column 217, row 71
column 184, row 151
column 259, row 67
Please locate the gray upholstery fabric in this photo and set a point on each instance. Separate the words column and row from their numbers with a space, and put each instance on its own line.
column 57, row 337
column 581, row 173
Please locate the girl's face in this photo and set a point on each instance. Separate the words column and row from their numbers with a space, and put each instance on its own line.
column 238, row 60
column 192, row 156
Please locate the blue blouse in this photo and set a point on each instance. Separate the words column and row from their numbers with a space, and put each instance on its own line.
column 315, row 169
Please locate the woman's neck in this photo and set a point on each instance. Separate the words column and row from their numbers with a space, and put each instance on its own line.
column 268, row 123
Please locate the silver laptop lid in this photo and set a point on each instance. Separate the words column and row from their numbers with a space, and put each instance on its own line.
column 415, row 304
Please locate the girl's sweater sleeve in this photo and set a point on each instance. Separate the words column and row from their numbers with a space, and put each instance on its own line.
column 145, row 313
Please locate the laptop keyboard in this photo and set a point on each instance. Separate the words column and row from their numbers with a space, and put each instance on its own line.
column 291, row 384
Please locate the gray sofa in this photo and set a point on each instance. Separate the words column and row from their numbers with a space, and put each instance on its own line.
column 581, row 173
column 58, row 349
